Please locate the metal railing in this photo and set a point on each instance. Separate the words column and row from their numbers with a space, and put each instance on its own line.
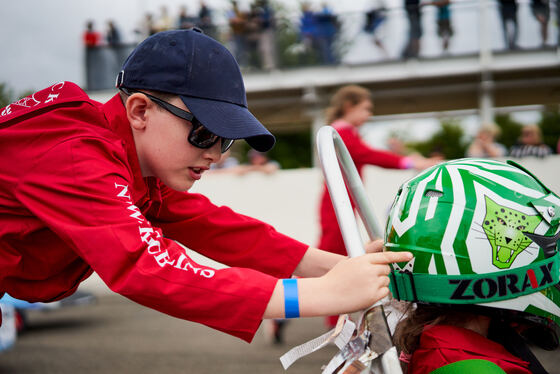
column 102, row 64
column 476, row 28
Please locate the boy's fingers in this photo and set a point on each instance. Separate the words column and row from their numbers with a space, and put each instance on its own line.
column 389, row 257
column 374, row 246
column 385, row 281
column 383, row 291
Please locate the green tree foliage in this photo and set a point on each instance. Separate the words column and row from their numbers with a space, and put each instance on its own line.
column 292, row 150
column 509, row 130
column 550, row 126
column 6, row 95
column 448, row 141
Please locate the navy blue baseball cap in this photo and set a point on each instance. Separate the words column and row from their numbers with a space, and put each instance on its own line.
column 204, row 74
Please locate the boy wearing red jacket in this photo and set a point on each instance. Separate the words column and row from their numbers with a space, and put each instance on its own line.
column 97, row 187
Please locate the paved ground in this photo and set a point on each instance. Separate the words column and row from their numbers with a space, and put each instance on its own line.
column 118, row 336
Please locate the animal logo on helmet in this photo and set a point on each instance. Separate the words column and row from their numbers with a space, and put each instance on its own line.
column 504, row 229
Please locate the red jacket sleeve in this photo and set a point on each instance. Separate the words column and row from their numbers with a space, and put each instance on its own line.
column 226, row 236
column 86, row 202
column 363, row 154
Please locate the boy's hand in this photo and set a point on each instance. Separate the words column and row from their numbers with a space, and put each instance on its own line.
column 351, row 285
column 338, row 285
column 374, row 246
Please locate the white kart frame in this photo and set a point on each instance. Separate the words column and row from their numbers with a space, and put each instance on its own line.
column 339, row 172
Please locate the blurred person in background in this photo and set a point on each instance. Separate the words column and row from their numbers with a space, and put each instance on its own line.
column 104, row 188
column 508, row 15
column 184, row 19
column 350, row 108
column 252, row 36
column 397, row 145
column 226, row 164
column 444, row 26
column 414, row 15
column 264, row 16
column 91, row 37
column 164, row 21
column 237, row 20
column 145, row 28
column 113, row 35
column 557, row 23
column 376, row 18
column 326, row 30
column 205, row 22
column 259, row 161
column 484, row 144
column 530, row 143
column 115, row 45
column 541, row 11
column 307, row 31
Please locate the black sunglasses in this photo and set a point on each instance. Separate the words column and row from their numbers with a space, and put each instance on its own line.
column 199, row 136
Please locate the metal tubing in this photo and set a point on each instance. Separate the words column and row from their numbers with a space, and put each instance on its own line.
column 338, row 167
column 336, row 159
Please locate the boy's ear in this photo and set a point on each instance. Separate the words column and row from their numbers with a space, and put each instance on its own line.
column 137, row 106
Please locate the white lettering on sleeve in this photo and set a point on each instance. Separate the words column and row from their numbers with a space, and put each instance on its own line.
column 164, row 259
column 145, row 233
column 57, row 87
column 51, row 97
column 7, row 110
column 208, row 273
column 136, row 213
column 154, row 240
column 152, row 243
column 123, row 192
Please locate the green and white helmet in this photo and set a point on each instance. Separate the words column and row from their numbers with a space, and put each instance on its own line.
column 482, row 232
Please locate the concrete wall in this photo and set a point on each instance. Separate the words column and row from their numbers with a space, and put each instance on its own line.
column 289, row 199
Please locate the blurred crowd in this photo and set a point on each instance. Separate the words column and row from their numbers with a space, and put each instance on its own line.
column 529, row 143
column 253, row 32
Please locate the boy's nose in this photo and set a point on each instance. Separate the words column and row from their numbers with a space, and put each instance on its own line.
column 214, row 153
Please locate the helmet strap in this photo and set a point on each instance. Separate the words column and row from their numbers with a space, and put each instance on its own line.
column 476, row 288
column 515, row 344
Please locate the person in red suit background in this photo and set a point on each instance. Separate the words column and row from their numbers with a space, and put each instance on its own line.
column 349, row 109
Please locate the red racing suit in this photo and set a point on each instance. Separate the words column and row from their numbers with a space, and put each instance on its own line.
column 362, row 154
column 73, row 201
column 441, row 345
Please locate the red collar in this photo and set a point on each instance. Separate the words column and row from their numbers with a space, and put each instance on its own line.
column 452, row 337
column 115, row 113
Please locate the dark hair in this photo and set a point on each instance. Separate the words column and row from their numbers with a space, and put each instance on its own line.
column 352, row 95
column 410, row 328
column 165, row 96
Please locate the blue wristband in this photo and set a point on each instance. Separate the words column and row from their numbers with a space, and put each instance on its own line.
column 291, row 301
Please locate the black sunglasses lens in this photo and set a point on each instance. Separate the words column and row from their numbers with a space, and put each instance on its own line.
column 226, row 144
column 202, row 137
